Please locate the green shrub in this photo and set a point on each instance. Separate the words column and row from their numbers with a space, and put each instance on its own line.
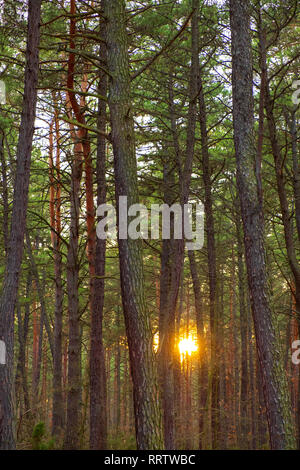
column 39, row 441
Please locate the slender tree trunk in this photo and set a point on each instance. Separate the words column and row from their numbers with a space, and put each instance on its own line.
column 168, row 326
column 212, row 270
column 243, row 441
column 138, row 328
column 261, row 418
column 166, row 357
column 203, row 372
column 71, row 439
column 283, row 198
column 235, row 356
column 253, row 411
column 23, row 326
column 55, row 205
column 284, row 206
column 117, row 388
column 98, row 399
column 178, row 386
column 40, row 292
column 274, row 379
column 18, row 224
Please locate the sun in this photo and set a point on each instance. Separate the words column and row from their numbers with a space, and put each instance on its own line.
column 187, row 346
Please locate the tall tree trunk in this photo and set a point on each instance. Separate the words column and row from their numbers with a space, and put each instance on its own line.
column 203, row 372
column 55, row 205
column 167, row 326
column 39, row 287
column 166, row 359
column 71, row 439
column 233, row 387
column 284, row 206
column 274, row 379
column 212, row 270
column 243, row 441
column 252, row 400
column 18, row 224
column 138, row 328
column 283, row 198
column 261, row 418
column 23, row 326
column 98, row 401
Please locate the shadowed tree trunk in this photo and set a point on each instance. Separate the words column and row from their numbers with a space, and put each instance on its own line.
column 23, row 327
column 137, row 321
column 18, row 224
column 282, row 194
column 242, row 438
column 98, row 399
column 71, row 439
column 212, row 271
column 273, row 377
column 55, row 212
column 166, row 371
column 167, row 320
column 203, row 372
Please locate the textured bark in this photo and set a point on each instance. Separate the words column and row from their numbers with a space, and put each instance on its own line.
column 83, row 136
column 81, row 154
column 167, row 325
column 242, row 438
column 287, row 223
column 98, row 405
column 18, row 224
column 269, row 353
column 117, row 387
column 235, row 360
column 284, row 203
column 178, row 385
column 55, row 209
column 23, row 327
column 253, row 411
column 283, row 198
column 212, row 271
column 137, row 321
column 261, row 418
column 263, row 82
column 203, row 372
column 223, row 403
column 71, row 439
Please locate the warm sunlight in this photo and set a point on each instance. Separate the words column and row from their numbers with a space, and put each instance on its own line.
column 187, row 346
column 155, row 342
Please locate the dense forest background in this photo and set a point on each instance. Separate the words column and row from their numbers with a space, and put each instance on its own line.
column 143, row 344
